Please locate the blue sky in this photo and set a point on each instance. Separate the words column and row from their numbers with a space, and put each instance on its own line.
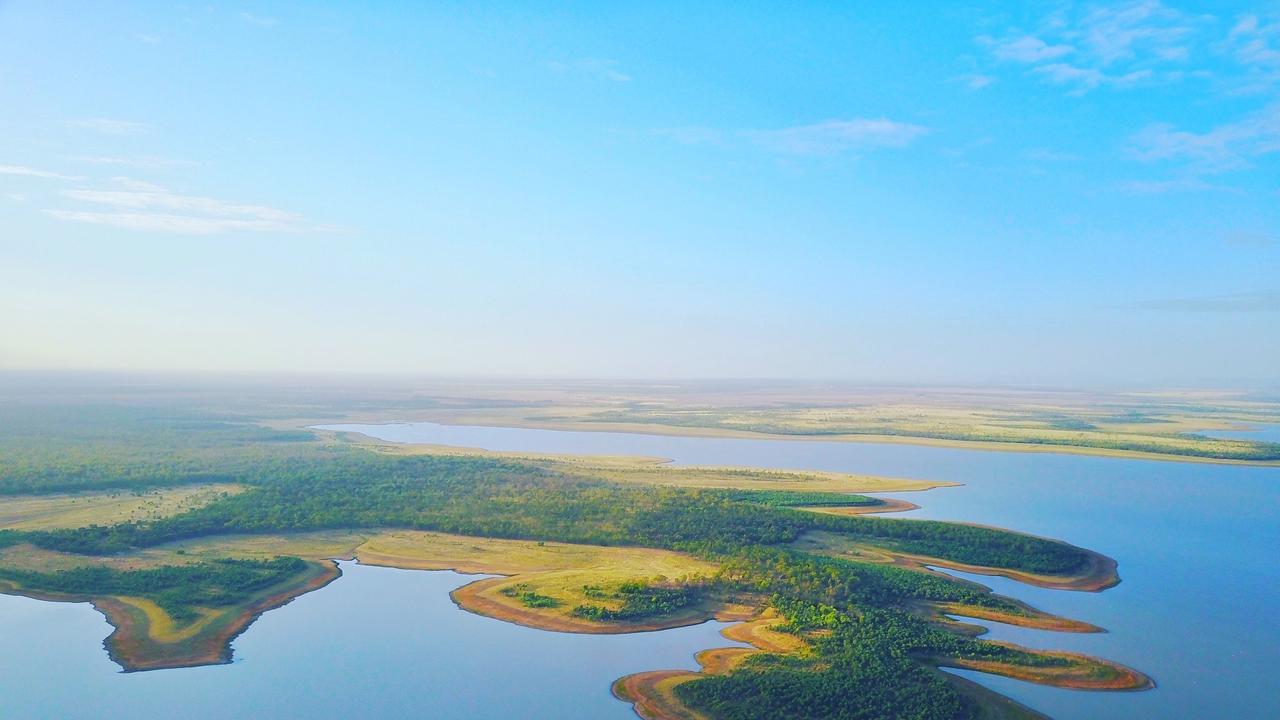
column 1021, row 193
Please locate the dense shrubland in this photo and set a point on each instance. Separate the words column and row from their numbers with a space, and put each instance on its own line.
column 638, row 601
column 60, row 448
column 784, row 498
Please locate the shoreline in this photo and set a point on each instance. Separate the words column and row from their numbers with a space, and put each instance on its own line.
column 1101, row 573
column 220, row 651
column 957, row 614
column 650, row 692
column 885, row 506
column 469, row 597
column 482, row 596
column 1115, row 677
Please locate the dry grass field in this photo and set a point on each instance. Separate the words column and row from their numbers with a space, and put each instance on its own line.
column 72, row 510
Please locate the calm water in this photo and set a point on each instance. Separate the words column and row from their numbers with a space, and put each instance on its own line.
column 1197, row 609
column 1257, row 432
column 376, row 643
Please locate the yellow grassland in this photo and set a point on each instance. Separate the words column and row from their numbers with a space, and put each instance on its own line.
column 161, row 628
column 72, row 510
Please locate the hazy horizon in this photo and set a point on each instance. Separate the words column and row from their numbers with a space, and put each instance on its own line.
column 1082, row 195
column 93, row 380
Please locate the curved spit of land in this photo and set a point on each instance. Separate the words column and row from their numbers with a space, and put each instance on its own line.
column 145, row 637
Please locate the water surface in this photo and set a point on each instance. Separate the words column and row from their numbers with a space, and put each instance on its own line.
column 376, row 643
column 1257, row 432
column 1197, row 608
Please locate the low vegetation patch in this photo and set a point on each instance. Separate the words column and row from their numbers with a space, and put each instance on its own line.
column 635, row 601
column 529, row 597
column 783, row 498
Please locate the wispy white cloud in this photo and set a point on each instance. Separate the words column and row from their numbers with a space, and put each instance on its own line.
column 594, row 67
column 1228, row 147
column 25, row 171
column 1025, row 49
column 1086, row 78
column 259, row 20
column 151, row 197
column 135, row 185
column 830, row 137
column 837, row 136
column 1063, row 73
column 110, row 126
column 141, row 205
column 1107, row 45
column 145, row 162
column 148, row 39
column 1255, row 44
column 979, row 81
column 1119, row 32
column 163, row 222
column 1225, row 147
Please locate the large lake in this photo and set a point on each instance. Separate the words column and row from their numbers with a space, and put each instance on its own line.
column 1199, row 605
column 1197, row 608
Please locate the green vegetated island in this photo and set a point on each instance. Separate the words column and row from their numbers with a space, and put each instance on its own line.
column 182, row 525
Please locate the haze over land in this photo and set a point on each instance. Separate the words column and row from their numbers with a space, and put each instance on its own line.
column 1083, row 194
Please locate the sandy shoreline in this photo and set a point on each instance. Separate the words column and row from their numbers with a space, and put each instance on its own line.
column 886, row 505
column 1100, row 573
column 1114, row 676
column 472, row 598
